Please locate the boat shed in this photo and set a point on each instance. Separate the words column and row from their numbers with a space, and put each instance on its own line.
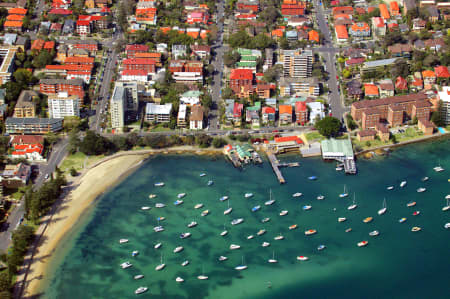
column 339, row 150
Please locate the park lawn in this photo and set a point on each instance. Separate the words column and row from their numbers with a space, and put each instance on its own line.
column 77, row 161
column 159, row 128
column 410, row 134
column 314, row 136
column 372, row 143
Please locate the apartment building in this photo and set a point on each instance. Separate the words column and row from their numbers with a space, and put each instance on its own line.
column 53, row 86
column 7, row 57
column 15, row 125
column 158, row 113
column 297, row 63
column 124, row 104
column 25, row 106
column 62, row 105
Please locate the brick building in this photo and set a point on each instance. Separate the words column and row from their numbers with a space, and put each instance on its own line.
column 241, row 78
column 145, row 64
column 53, row 86
column 301, row 113
column 370, row 118
column 395, row 115
column 421, row 110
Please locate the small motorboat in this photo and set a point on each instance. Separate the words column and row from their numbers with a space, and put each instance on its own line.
column 178, row 249
column 374, row 233
column 302, row 258
column 312, row 178
column 122, row 241
column 424, row 179
column 306, row 208
column 223, row 198
column 139, row 276
column 141, row 290
column 390, row 188
column 339, row 168
column 310, row 232
column 416, row 213
column 265, row 244
column 222, row 258
column 227, row 211
column 240, row 267
column 158, row 245
column 250, row 237
column 202, row 174
column 178, row 202
column 401, row 220
column 438, row 169
column 321, row 247
column 202, row 277
column 416, row 229
column 162, row 218
column 237, row 221
column 160, row 205
column 273, row 260
column 205, row 213
column 411, row 204
column 383, row 209
column 362, row 243
column 160, row 267
column 267, row 219
column 185, row 235
column 320, row 197
column 341, row 219
column 135, row 253
column 181, row 195
column 293, row 226
column 234, row 246
column 256, row 208
column 447, row 225
column 261, row 232
column 185, row 263
column 224, row 233
column 126, row 265
column 210, row 183
column 447, row 206
column 152, row 196
column 298, row 194
column 421, row 189
column 198, row 206
column 179, row 279
column 403, row 184
column 158, row 228
column 284, row 213
column 159, row 184
column 192, row 224
column 367, row 219
column 145, row 208
column 447, row 196
column 279, row 237
column 248, row 195
column 348, row 230
column 269, row 202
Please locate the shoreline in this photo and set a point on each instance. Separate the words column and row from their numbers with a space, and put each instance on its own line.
column 78, row 197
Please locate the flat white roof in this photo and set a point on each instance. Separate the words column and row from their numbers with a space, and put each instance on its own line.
column 152, row 108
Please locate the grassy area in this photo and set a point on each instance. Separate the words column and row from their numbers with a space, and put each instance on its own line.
column 364, row 145
column 409, row 134
column 78, row 161
column 314, row 136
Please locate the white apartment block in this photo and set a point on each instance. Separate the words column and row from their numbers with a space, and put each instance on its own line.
column 297, row 63
column 62, row 105
column 158, row 113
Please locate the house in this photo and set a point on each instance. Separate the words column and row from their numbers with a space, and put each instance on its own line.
column 135, row 75
column 394, row 9
column 237, row 113
column 316, row 111
column 268, row 114
column 25, row 107
column 386, row 88
column 197, row 17
column 342, row 10
column 181, row 117
column 418, row 24
column 435, row 44
column 240, row 78
column 200, row 51
column 144, row 64
column 433, row 14
column 285, row 114
column 384, row 12
column 301, row 113
column 191, row 98
column 360, row 29
column 400, row 50
column 158, row 113
column 378, row 27
column 354, row 90
column 69, row 26
column 429, row 78
column 13, row 25
column 83, row 27
column 263, row 90
column 341, row 33
column 401, row 83
column 178, row 51
column 196, row 118
column 366, row 135
column 26, row 140
column 292, row 8
column 15, row 176
column 131, row 50
column 30, row 152
column 441, row 72
column 370, row 90
column 426, row 126
column 313, row 35
column 409, row 5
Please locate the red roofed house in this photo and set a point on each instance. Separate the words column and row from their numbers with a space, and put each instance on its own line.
column 384, row 12
column 301, row 113
column 135, row 75
column 401, row 83
column 131, row 50
column 13, row 25
column 370, row 90
column 148, row 65
column 17, row 11
column 268, row 114
column 196, row 17
column 26, row 139
column 83, row 27
column 395, row 10
column 348, row 10
column 253, row 6
column 297, row 9
column 60, row 11
column 50, row 45
column 354, row 61
column 429, row 78
column 285, row 114
column 237, row 113
column 31, row 152
column 37, row 45
column 441, row 72
column 378, row 26
column 15, row 17
column 313, row 35
column 79, row 60
column 360, row 29
column 341, row 33
column 241, row 78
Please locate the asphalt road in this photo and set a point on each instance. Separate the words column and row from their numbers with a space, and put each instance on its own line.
column 328, row 52
column 218, row 69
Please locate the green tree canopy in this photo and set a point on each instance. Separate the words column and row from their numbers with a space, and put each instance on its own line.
column 328, row 126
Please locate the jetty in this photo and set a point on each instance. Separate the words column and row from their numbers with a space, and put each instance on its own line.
column 275, row 166
column 341, row 151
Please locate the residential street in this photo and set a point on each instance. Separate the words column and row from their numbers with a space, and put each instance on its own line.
column 328, row 52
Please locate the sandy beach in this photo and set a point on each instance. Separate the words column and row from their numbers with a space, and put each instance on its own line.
column 88, row 187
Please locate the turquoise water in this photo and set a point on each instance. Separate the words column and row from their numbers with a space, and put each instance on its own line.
column 396, row 264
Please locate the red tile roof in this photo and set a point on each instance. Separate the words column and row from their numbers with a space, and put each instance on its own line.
column 441, row 72
column 268, row 110
column 341, row 32
column 285, row 109
column 389, row 100
column 60, row 11
column 27, row 139
column 79, row 60
column 134, row 73
column 384, row 11
column 401, row 83
column 241, row 74
column 300, row 106
column 370, row 89
column 139, row 61
column 287, row 139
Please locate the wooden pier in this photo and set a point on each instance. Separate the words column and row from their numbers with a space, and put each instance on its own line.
column 275, row 164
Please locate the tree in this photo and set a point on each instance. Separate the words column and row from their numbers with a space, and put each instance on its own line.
column 95, row 144
column 23, row 76
column 5, row 282
column 328, row 126
column 393, row 37
column 42, row 59
column 346, row 73
column 400, row 68
column 73, row 172
column 203, row 140
column 230, row 58
column 272, row 73
column 431, row 60
column 436, row 116
column 269, row 15
column 218, row 142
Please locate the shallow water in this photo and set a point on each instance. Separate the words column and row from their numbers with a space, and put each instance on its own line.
column 396, row 264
